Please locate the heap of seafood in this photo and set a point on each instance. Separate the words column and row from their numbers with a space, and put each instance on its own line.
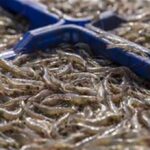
column 69, row 100
column 73, row 8
column 11, row 29
column 92, row 8
column 138, row 32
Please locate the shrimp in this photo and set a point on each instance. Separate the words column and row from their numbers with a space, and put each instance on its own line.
column 21, row 59
column 14, row 102
column 72, row 58
column 8, row 142
column 10, row 115
column 55, row 126
column 31, row 147
column 7, row 126
column 47, row 80
column 49, row 145
column 103, row 121
column 39, row 126
column 144, row 118
column 22, row 84
column 53, row 111
column 8, row 66
column 40, row 96
column 80, row 75
column 81, row 90
column 64, row 70
column 33, row 114
column 53, row 61
column 72, row 98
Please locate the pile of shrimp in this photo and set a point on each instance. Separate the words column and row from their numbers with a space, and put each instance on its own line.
column 70, row 100
column 137, row 28
column 93, row 8
column 73, row 8
column 138, row 32
column 126, row 7
column 11, row 29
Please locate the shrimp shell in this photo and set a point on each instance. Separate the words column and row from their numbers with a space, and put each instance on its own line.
column 53, row 111
column 10, row 115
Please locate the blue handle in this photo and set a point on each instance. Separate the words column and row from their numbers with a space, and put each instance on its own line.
column 109, row 21
column 37, row 15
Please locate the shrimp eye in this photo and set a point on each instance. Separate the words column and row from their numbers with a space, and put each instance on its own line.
column 28, row 87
